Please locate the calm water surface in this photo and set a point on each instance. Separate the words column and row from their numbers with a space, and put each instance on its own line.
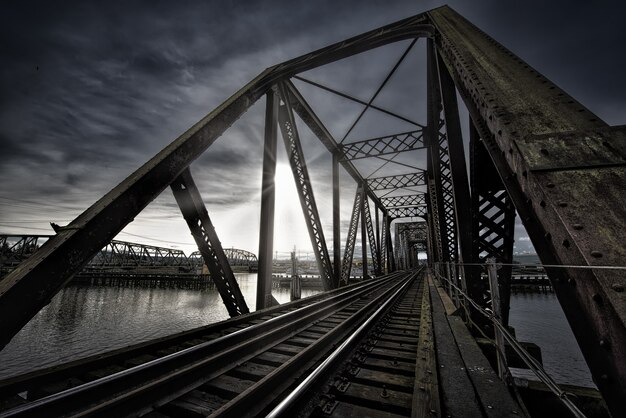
column 83, row 320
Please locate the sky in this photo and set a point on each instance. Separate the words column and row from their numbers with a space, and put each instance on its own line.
column 89, row 91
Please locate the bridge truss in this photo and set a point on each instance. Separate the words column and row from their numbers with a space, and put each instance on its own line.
column 14, row 249
column 534, row 150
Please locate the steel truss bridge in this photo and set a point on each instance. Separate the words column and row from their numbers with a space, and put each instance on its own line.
column 534, row 150
column 14, row 249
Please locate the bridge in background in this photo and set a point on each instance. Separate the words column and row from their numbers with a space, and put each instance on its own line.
column 121, row 255
column 534, row 151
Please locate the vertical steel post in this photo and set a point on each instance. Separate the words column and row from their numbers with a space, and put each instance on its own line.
column 458, row 169
column 336, row 222
column 364, row 232
column 495, row 301
column 390, row 257
column 378, row 243
column 264, row 297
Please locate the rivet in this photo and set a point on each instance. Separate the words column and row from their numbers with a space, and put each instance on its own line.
column 617, row 287
column 596, row 254
column 565, row 243
column 577, row 227
column 571, row 282
column 544, row 151
column 604, row 377
column 550, row 185
column 596, row 297
column 548, row 235
column 604, row 343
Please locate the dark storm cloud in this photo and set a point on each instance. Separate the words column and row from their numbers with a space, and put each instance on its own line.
column 91, row 90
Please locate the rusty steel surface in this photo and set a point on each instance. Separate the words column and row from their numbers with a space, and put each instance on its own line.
column 565, row 170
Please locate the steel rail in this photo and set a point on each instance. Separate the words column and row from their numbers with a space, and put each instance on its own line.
column 176, row 369
column 38, row 378
column 338, row 353
column 264, row 393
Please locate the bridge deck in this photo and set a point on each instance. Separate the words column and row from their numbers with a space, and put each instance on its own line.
column 386, row 347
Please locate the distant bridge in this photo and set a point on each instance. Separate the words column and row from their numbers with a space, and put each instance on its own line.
column 121, row 255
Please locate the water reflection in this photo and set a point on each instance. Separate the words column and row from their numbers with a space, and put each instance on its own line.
column 538, row 318
column 85, row 320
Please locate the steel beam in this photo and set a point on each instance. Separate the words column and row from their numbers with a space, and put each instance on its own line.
column 390, row 256
column 264, row 296
column 364, row 232
column 336, row 222
column 390, row 144
column 197, row 218
column 371, row 238
column 348, row 254
column 303, row 185
column 565, row 171
column 458, row 173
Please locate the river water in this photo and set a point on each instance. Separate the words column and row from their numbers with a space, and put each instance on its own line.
column 85, row 320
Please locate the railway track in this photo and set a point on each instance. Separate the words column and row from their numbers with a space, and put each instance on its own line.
column 236, row 368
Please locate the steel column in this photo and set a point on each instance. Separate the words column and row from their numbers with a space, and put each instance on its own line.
column 440, row 186
column 264, row 296
column 348, row 255
column 193, row 210
column 458, row 171
column 371, row 237
column 336, row 222
column 364, row 232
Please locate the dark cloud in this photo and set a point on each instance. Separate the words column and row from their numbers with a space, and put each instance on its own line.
column 91, row 90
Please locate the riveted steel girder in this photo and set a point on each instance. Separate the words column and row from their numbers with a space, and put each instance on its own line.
column 565, row 171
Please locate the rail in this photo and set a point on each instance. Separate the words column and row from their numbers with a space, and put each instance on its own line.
column 137, row 388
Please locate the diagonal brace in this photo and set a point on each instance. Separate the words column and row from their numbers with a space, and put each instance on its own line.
column 195, row 213
column 303, row 185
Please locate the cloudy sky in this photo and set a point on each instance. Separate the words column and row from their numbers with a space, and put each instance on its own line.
column 91, row 90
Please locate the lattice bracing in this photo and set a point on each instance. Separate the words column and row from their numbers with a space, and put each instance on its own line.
column 397, row 181
column 371, row 237
column 346, row 266
column 305, row 191
column 407, row 212
column 392, row 144
column 407, row 200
